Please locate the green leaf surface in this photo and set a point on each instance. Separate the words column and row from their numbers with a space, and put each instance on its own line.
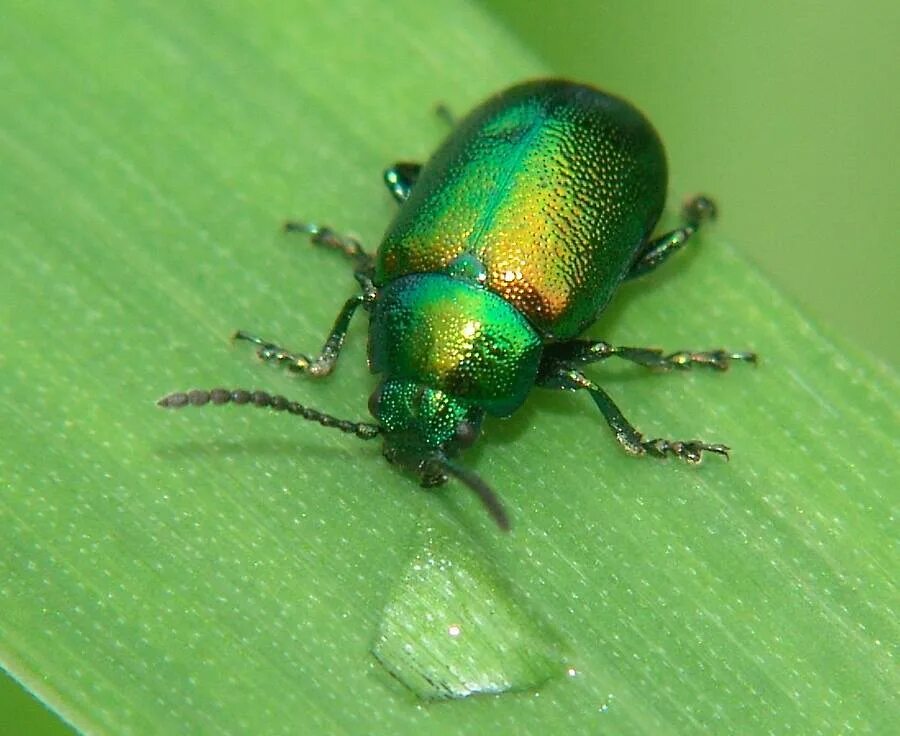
column 227, row 571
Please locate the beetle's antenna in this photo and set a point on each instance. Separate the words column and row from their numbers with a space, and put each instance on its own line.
column 219, row 396
column 491, row 500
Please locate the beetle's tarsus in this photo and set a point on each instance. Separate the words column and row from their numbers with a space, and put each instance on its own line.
column 699, row 209
column 272, row 353
column 295, row 226
column 445, row 114
column 691, row 451
column 400, row 179
column 324, row 235
column 321, row 365
column 718, row 359
column 584, row 352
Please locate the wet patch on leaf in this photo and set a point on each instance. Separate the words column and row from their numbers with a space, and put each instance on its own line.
column 452, row 629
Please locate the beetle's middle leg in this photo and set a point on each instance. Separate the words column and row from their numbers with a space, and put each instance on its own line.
column 319, row 365
column 400, row 178
column 631, row 440
column 583, row 352
column 695, row 212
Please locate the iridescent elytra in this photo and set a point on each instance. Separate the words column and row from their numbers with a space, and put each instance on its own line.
column 507, row 244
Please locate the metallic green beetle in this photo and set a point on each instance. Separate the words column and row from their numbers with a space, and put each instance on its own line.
column 507, row 244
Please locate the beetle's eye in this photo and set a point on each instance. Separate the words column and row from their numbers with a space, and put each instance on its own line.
column 466, row 433
column 375, row 400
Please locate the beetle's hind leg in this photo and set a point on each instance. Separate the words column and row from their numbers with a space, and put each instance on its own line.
column 695, row 212
column 631, row 440
column 583, row 352
column 323, row 363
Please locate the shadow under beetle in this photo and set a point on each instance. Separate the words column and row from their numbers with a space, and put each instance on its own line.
column 507, row 244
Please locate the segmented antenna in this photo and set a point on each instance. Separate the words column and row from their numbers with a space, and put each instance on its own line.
column 491, row 500
column 262, row 399
column 363, row 430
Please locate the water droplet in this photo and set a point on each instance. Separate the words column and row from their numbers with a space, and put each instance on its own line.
column 452, row 628
column 604, row 707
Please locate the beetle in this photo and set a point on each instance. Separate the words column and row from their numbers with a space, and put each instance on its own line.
column 507, row 244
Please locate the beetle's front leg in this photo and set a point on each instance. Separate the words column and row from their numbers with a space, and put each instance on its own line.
column 320, row 365
column 631, row 440
column 583, row 352
column 323, row 235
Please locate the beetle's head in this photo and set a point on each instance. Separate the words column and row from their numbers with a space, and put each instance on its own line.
column 419, row 422
column 423, row 428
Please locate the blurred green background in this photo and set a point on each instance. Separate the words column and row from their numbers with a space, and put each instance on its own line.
column 794, row 105
column 785, row 104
